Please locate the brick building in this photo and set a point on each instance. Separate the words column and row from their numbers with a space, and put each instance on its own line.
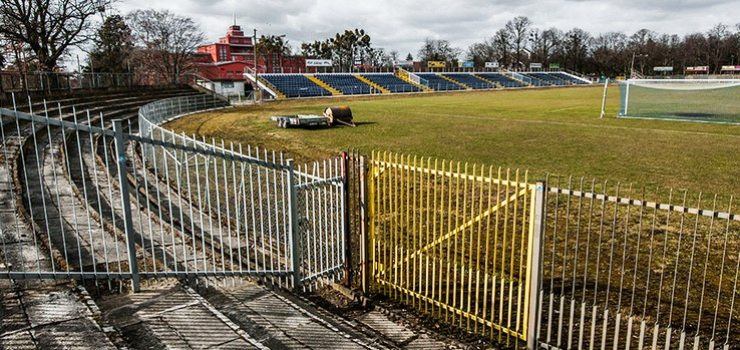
column 224, row 62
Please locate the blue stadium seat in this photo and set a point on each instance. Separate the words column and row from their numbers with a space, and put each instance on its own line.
column 346, row 83
column 501, row 79
column 547, row 78
column 568, row 78
column 295, row 85
column 390, row 82
column 470, row 80
column 534, row 80
column 438, row 83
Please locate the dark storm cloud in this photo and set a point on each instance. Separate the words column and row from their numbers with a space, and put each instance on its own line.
column 402, row 24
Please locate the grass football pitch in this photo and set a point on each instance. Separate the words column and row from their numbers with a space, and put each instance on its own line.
column 554, row 130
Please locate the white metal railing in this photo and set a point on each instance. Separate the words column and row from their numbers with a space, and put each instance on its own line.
column 161, row 204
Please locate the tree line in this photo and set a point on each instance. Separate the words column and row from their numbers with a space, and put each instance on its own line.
column 36, row 34
column 348, row 49
column 519, row 43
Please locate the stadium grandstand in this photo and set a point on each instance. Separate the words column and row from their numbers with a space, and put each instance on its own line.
column 470, row 80
column 501, row 79
column 391, row 83
column 439, row 82
column 347, row 84
column 327, row 84
column 295, row 85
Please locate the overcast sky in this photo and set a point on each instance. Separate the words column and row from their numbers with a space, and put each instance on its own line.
column 402, row 25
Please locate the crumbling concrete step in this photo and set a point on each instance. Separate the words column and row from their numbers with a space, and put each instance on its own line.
column 282, row 323
column 172, row 318
column 53, row 317
column 380, row 323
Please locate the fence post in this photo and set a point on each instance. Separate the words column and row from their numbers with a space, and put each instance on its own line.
column 345, row 220
column 294, row 226
column 364, row 240
column 120, row 140
column 535, row 260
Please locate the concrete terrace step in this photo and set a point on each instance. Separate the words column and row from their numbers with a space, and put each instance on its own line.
column 173, row 317
column 52, row 317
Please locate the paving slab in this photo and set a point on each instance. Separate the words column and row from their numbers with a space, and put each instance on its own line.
column 170, row 317
column 49, row 317
column 379, row 322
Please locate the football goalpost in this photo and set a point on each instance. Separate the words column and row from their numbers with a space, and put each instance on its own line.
column 699, row 100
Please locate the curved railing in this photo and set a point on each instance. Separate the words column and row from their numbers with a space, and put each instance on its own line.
column 153, row 114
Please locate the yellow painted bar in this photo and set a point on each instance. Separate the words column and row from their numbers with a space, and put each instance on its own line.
column 371, row 214
column 467, row 224
column 415, row 229
column 522, row 235
column 477, row 254
column 433, row 208
column 453, row 174
column 461, row 313
column 449, row 225
column 440, row 252
column 446, row 266
column 407, row 231
column 495, row 252
column 503, row 259
column 418, row 266
column 393, row 220
column 426, row 220
column 384, row 238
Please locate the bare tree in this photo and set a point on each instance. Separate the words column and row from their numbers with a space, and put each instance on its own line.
column 544, row 44
column 518, row 29
column 48, row 27
column 438, row 50
column 718, row 42
column 393, row 56
column 502, row 41
column 575, row 48
column 480, row 53
column 165, row 41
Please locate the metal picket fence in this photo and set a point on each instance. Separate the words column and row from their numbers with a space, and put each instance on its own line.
column 553, row 264
column 92, row 199
column 622, row 269
column 16, row 81
column 454, row 240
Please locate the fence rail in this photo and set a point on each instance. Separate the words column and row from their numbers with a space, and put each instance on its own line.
column 14, row 81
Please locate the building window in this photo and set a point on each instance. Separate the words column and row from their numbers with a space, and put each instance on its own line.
column 222, row 54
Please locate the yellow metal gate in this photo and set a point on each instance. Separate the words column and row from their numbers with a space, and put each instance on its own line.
column 454, row 241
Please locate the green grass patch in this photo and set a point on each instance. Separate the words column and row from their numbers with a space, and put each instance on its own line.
column 554, row 130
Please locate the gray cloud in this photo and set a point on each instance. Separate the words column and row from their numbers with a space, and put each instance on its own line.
column 402, row 25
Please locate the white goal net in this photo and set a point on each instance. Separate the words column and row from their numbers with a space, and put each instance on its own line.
column 704, row 100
